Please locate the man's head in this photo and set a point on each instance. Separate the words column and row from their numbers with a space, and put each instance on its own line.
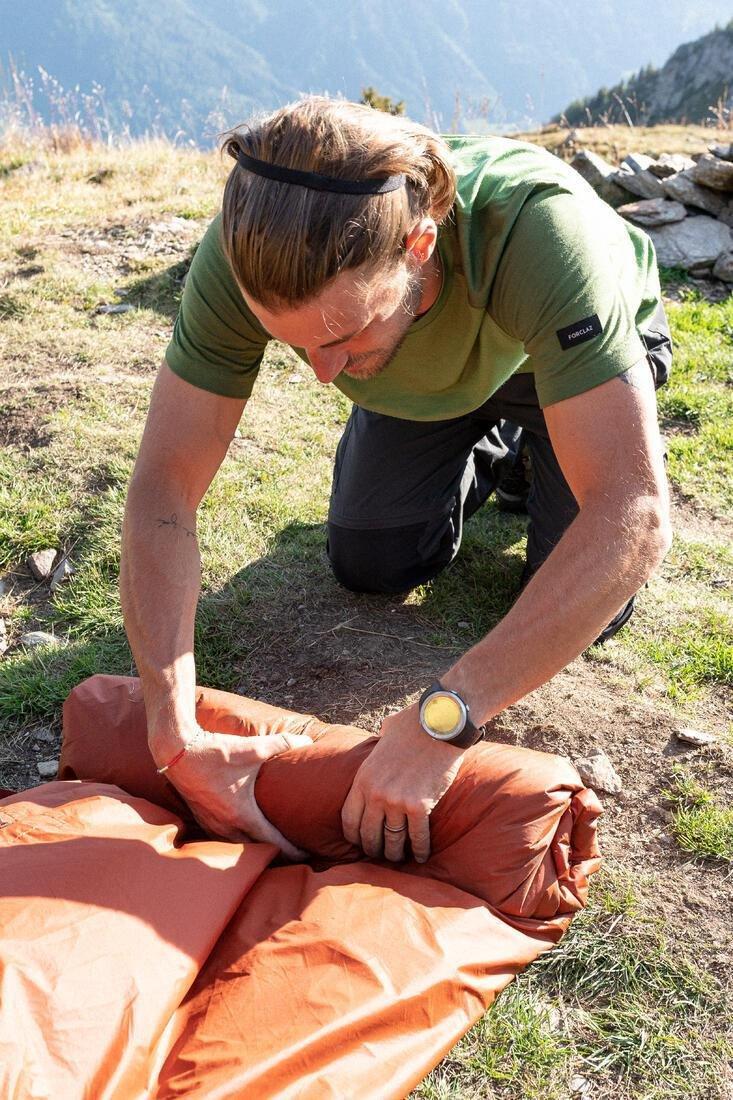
column 340, row 275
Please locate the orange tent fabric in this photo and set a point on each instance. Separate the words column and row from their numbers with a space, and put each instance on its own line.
column 339, row 977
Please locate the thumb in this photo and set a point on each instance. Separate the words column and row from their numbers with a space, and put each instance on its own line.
column 275, row 744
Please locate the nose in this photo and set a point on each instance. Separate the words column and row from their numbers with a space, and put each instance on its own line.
column 328, row 364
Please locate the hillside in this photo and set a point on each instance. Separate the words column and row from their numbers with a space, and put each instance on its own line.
column 191, row 69
column 695, row 85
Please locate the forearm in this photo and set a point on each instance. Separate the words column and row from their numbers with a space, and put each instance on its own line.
column 595, row 568
column 159, row 587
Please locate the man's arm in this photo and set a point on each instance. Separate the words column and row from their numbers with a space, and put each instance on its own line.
column 608, row 445
column 186, row 437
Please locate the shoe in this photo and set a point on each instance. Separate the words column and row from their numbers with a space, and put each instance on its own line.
column 616, row 623
column 513, row 489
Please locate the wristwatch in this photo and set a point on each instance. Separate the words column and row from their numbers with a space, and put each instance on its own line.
column 444, row 716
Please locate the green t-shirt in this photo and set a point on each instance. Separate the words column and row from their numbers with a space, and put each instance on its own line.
column 539, row 275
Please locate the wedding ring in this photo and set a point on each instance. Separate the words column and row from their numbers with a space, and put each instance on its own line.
column 394, row 828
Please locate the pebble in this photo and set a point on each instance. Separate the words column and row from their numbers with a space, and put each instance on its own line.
column 4, row 587
column 597, row 771
column 695, row 737
column 36, row 638
column 121, row 308
column 579, row 1086
column 3, row 637
column 41, row 563
column 291, row 682
column 47, row 769
column 44, row 735
column 463, row 624
column 61, row 573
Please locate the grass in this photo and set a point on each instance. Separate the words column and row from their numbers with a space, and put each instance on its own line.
column 616, row 1003
column 699, row 825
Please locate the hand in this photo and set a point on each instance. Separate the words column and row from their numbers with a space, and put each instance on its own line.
column 216, row 777
column 398, row 785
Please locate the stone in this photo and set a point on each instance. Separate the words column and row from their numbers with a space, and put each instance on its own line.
column 695, row 737
column 3, row 637
column 669, row 164
column 683, row 188
column 638, row 162
column 642, row 184
column 726, row 214
column 5, row 586
column 713, row 172
column 723, row 268
column 580, row 1086
column 597, row 771
column 61, row 573
column 34, row 639
column 120, row 308
column 47, row 769
column 291, row 682
column 41, row 563
column 724, row 152
column 692, row 241
column 653, row 212
column 45, row 735
column 463, row 624
column 598, row 173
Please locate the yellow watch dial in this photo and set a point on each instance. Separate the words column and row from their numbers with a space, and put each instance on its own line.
column 442, row 714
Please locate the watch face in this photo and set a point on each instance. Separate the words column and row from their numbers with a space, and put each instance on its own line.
column 443, row 716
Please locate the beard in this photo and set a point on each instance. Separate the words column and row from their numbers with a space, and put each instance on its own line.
column 371, row 363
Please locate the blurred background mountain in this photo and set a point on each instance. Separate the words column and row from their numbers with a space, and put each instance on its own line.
column 188, row 70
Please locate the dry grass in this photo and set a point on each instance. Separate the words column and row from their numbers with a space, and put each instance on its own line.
column 616, row 142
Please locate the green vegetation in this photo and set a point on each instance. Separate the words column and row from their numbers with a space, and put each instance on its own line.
column 699, row 825
column 613, row 1004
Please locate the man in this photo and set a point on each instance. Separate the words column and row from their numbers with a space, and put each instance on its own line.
column 444, row 287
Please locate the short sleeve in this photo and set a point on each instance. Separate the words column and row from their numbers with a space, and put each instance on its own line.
column 569, row 286
column 217, row 343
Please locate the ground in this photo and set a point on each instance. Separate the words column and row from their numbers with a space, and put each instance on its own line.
column 633, row 1002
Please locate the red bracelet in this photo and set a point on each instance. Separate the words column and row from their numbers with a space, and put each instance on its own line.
column 170, row 763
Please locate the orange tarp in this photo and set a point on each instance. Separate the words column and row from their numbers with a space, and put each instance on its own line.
column 138, row 960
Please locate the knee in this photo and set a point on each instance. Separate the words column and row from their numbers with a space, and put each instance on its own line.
column 380, row 561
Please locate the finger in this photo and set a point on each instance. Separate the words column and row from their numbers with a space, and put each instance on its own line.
column 394, row 841
column 351, row 815
column 371, row 830
column 419, row 828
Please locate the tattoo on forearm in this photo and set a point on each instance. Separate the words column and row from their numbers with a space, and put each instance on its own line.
column 173, row 522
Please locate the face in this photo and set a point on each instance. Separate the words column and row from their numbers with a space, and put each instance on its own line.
column 356, row 324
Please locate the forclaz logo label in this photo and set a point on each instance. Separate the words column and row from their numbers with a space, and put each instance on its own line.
column 581, row 331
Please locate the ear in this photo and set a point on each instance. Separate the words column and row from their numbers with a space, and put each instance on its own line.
column 420, row 242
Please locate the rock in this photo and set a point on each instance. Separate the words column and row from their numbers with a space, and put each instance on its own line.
column 669, row 164
column 120, row 308
column 726, row 214
column 692, row 241
column 5, row 587
column 580, row 1086
column 638, row 162
column 41, row 563
column 3, row 637
column 61, row 573
column 695, row 737
column 463, row 625
column 291, row 682
column 45, row 735
column 640, row 183
column 34, row 639
column 683, row 188
column 725, row 152
column 723, row 268
column 597, row 771
column 598, row 173
column 47, row 769
column 653, row 212
column 713, row 172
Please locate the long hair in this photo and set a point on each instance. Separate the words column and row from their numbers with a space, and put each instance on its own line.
column 284, row 242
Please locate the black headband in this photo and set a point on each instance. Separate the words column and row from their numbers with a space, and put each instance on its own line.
column 315, row 181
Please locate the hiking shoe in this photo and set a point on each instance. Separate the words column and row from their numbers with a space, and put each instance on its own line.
column 513, row 488
column 616, row 623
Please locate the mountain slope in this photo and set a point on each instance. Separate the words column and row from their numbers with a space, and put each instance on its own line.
column 687, row 88
column 514, row 61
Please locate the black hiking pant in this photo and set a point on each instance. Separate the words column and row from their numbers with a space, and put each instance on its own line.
column 402, row 489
